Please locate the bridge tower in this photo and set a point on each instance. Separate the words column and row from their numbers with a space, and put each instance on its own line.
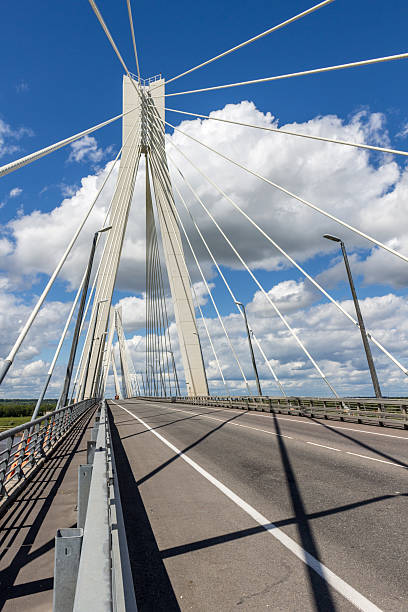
column 143, row 133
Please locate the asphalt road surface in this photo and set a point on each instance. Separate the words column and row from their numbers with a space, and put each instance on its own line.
column 229, row 510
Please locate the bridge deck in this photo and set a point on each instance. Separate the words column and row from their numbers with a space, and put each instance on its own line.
column 28, row 528
column 192, row 547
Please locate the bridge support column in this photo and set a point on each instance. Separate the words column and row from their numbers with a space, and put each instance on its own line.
column 173, row 251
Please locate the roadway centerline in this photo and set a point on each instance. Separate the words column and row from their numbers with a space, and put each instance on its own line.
column 272, row 433
column 337, row 583
column 323, row 446
column 255, row 413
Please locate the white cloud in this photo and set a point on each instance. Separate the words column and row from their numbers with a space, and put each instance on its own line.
column 9, row 137
column 15, row 192
column 86, row 149
column 367, row 190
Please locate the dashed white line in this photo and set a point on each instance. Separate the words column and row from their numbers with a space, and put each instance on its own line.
column 254, row 413
column 337, row 583
column 206, row 416
column 272, row 433
column 374, row 459
column 323, row 446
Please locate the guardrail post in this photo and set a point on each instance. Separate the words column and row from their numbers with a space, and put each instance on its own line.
column 84, row 484
column 68, row 543
column 4, row 463
column 90, row 451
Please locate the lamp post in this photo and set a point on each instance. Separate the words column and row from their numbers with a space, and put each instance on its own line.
column 258, row 384
column 174, row 369
column 74, row 345
column 366, row 344
column 90, row 348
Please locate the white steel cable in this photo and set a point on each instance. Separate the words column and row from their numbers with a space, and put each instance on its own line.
column 206, row 329
column 120, row 183
column 278, row 77
column 97, row 272
column 68, row 321
column 267, row 363
column 112, row 42
column 267, row 296
column 133, row 38
column 99, row 235
column 253, row 39
column 116, row 237
column 219, row 269
column 27, row 159
column 293, row 195
column 10, row 358
column 309, row 136
column 288, row 257
column 180, row 222
column 200, row 310
column 234, row 299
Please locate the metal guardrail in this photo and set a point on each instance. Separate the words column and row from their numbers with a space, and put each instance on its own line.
column 92, row 568
column 25, row 446
column 385, row 412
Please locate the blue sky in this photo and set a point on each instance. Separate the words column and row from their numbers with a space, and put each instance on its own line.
column 61, row 76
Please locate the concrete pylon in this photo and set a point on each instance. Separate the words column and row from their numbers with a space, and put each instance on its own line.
column 131, row 130
column 143, row 133
column 189, row 341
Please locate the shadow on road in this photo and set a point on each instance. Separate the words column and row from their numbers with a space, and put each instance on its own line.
column 320, row 590
column 20, row 511
column 362, row 444
column 152, row 585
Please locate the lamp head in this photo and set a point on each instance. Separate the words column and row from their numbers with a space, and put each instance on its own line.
column 330, row 237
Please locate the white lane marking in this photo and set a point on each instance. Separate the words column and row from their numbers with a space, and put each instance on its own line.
column 254, row 413
column 323, row 446
column 374, row 459
column 206, row 416
column 272, row 433
column 342, row 587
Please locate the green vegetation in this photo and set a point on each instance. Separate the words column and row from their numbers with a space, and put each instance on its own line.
column 10, row 422
column 23, row 408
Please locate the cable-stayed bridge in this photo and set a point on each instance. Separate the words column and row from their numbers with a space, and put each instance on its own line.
column 173, row 496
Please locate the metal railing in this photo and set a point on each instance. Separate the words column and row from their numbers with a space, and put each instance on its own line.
column 390, row 412
column 25, row 446
column 92, row 568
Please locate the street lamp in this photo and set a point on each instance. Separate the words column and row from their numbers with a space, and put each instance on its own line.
column 367, row 348
column 258, row 384
column 74, row 345
column 85, row 379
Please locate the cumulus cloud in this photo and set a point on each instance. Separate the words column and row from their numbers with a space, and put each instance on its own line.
column 367, row 190
column 86, row 149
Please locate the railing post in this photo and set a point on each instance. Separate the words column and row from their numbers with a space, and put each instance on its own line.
column 4, row 463
column 68, row 543
column 84, row 484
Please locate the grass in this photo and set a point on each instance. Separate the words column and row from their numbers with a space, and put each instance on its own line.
column 10, row 422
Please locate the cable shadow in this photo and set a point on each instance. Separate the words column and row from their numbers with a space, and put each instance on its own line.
column 23, row 555
column 23, row 506
column 362, row 444
column 166, row 424
column 320, row 590
column 244, row 533
column 153, row 589
column 186, row 449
